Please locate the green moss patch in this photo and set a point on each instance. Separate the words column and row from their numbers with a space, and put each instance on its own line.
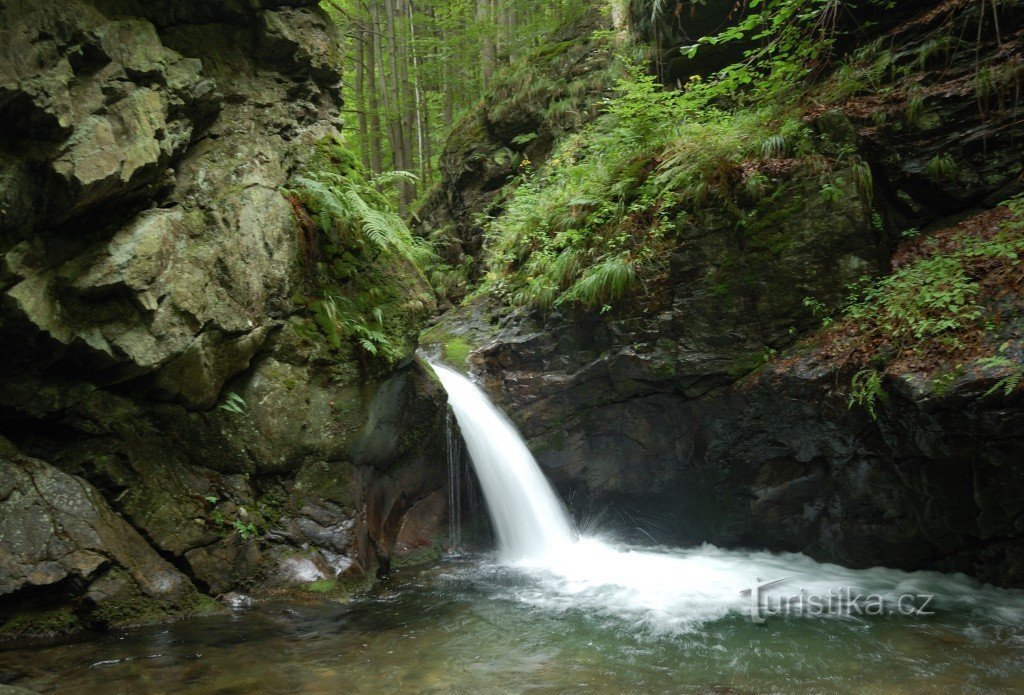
column 40, row 623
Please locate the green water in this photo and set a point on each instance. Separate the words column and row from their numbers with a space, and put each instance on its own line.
column 468, row 626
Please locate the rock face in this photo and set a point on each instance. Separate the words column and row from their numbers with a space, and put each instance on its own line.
column 148, row 264
column 671, row 415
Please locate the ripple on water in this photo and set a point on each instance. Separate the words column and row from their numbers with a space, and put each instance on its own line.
column 477, row 626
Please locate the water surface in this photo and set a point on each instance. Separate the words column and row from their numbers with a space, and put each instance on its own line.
column 471, row 625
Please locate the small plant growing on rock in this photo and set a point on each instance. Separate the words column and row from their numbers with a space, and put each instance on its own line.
column 233, row 403
column 1008, row 383
column 245, row 530
column 941, row 168
column 866, row 391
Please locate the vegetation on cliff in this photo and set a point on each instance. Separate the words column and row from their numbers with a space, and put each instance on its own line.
column 812, row 90
column 364, row 266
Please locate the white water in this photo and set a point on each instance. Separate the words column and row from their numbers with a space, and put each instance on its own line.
column 528, row 517
column 665, row 589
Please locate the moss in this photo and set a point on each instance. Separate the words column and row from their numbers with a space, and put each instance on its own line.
column 338, row 589
column 556, row 441
column 323, row 586
column 129, row 607
column 332, row 481
column 40, row 623
column 745, row 364
column 456, row 352
column 426, row 556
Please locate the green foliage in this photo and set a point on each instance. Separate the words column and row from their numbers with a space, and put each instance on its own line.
column 593, row 224
column 929, row 298
column 366, row 261
column 933, row 301
column 942, row 383
column 1012, row 370
column 233, row 403
column 941, row 168
column 604, row 282
column 788, row 41
column 819, row 310
column 940, row 47
column 227, row 518
column 245, row 530
column 351, row 211
column 1008, row 383
column 866, row 391
column 340, row 318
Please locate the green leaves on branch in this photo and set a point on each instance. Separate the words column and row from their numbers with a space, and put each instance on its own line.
column 931, row 297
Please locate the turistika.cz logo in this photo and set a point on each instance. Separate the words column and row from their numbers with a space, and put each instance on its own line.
column 765, row 603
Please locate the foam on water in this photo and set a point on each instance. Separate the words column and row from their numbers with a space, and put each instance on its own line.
column 665, row 589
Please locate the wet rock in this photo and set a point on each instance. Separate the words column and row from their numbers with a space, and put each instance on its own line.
column 57, row 529
column 669, row 417
column 148, row 266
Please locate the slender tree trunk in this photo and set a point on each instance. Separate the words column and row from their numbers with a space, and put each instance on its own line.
column 398, row 137
column 408, row 112
column 485, row 22
column 447, row 85
column 384, row 82
column 360, row 94
column 373, row 59
column 511, row 22
column 420, row 105
column 395, row 86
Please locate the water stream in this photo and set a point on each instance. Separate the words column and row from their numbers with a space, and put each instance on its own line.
column 670, row 590
column 555, row 612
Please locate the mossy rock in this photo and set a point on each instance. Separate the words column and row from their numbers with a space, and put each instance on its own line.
column 456, row 352
column 119, row 603
column 46, row 622
column 338, row 589
column 425, row 556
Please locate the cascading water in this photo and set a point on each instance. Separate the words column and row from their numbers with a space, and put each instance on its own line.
column 666, row 589
column 454, row 485
column 529, row 520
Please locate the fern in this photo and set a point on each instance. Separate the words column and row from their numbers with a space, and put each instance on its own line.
column 602, row 283
column 233, row 403
column 343, row 204
column 370, row 269
column 774, row 146
column 866, row 391
column 941, row 168
column 1008, row 383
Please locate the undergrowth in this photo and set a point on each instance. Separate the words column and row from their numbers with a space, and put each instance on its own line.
column 596, row 223
column 933, row 308
column 365, row 268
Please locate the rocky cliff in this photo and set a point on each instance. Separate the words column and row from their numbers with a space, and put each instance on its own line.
column 171, row 427
column 713, row 408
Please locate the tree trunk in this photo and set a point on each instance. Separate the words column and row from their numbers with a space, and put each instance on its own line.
column 420, row 103
column 373, row 58
column 485, row 22
column 398, row 138
column 407, row 190
column 360, row 94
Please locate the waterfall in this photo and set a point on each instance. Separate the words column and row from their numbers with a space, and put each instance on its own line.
column 662, row 588
column 454, row 485
column 528, row 517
